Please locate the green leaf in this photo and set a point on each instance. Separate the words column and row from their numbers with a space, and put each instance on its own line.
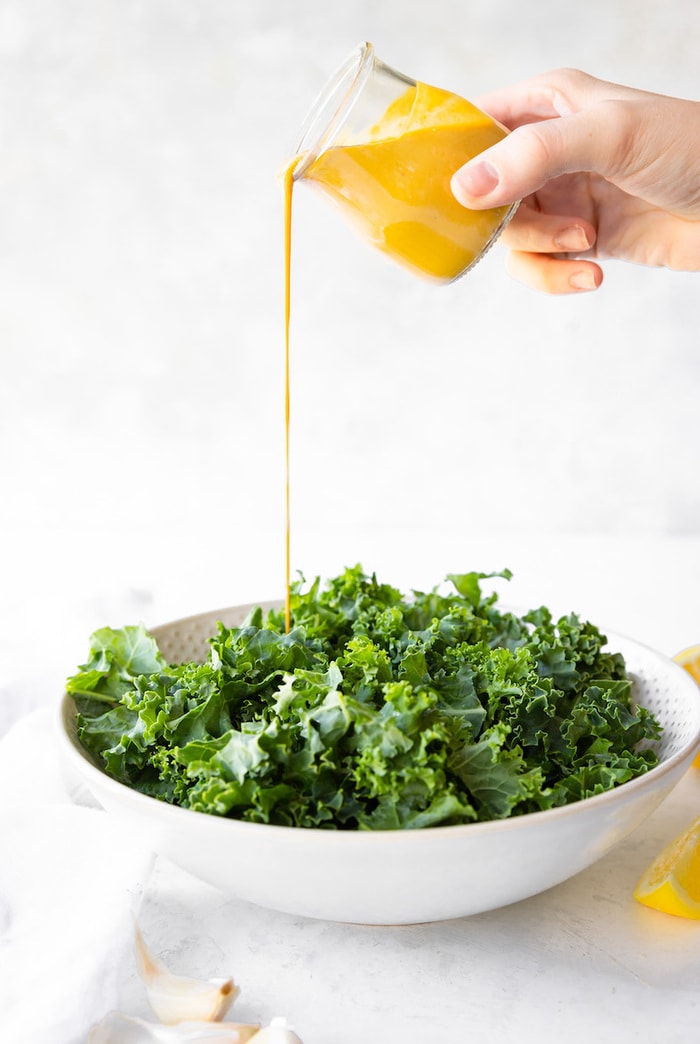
column 495, row 777
column 468, row 585
column 116, row 658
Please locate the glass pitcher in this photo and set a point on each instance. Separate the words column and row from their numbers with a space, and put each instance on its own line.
column 383, row 148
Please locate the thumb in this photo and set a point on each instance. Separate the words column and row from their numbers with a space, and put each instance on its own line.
column 537, row 152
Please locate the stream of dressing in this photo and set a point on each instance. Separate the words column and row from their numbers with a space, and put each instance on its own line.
column 287, row 185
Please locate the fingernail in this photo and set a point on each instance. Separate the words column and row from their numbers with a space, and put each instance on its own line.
column 582, row 280
column 573, row 238
column 476, row 179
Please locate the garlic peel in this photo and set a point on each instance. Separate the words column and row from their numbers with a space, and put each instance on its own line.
column 277, row 1032
column 179, row 998
column 117, row 1028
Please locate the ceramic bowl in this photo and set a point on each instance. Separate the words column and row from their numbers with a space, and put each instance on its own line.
column 400, row 877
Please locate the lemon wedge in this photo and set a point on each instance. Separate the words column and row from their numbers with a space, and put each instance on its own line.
column 690, row 660
column 672, row 882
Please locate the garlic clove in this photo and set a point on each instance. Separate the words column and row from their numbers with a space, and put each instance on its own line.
column 217, row 1032
column 178, row 998
column 116, row 1028
column 278, row 1032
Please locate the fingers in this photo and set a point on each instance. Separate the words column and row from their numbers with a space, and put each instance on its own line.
column 553, row 275
column 561, row 92
column 541, row 249
column 533, row 231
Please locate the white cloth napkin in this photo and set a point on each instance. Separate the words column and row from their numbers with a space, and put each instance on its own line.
column 70, row 881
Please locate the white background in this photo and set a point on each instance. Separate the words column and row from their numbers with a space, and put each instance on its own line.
column 476, row 426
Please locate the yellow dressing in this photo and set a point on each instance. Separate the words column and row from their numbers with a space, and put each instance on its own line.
column 287, row 186
column 395, row 186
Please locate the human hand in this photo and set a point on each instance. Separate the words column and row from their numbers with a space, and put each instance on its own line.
column 603, row 171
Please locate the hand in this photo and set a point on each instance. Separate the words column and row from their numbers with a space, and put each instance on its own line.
column 603, row 171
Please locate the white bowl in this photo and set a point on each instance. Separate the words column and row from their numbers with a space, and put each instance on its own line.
column 400, row 877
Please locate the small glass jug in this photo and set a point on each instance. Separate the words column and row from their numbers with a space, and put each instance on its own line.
column 384, row 147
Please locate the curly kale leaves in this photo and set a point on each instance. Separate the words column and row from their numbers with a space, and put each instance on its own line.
column 375, row 712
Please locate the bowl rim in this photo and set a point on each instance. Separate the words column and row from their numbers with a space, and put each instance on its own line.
column 82, row 761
